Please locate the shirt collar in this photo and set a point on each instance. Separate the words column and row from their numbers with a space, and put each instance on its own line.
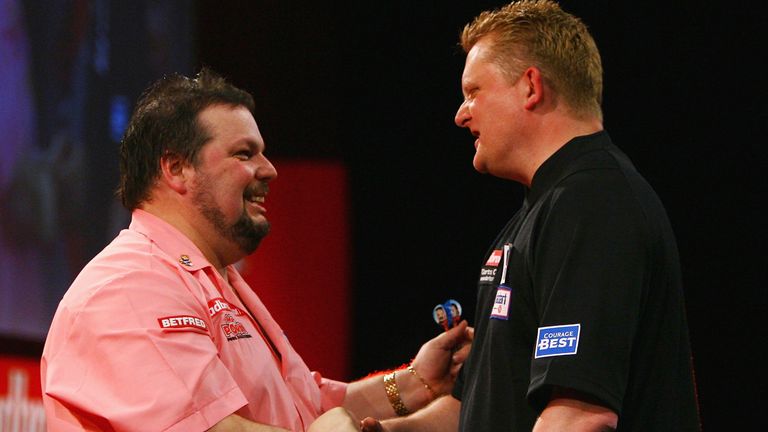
column 168, row 239
column 559, row 165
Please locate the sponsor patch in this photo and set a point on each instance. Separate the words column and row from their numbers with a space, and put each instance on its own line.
column 233, row 329
column 182, row 322
column 494, row 259
column 487, row 275
column 557, row 340
column 218, row 305
column 500, row 308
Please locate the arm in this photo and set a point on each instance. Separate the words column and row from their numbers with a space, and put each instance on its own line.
column 569, row 410
column 442, row 415
column 235, row 423
column 437, row 364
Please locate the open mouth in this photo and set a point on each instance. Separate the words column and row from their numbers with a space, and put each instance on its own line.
column 255, row 203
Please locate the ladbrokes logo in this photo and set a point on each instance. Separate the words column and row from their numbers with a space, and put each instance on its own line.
column 232, row 328
column 217, row 305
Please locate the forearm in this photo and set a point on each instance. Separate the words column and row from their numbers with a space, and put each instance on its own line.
column 578, row 415
column 368, row 398
column 440, row 416
column 235, row 423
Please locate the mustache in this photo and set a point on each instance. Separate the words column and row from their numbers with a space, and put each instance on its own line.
column 258, row 189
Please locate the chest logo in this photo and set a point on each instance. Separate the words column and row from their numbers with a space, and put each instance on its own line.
column 557, row 340
column 494, row 259
column 233, row 329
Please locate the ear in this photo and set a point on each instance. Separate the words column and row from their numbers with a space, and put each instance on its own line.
column 174, row 172
column 533, row 86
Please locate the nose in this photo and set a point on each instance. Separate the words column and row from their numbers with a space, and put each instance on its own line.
column 462, row 115
column 265, row 171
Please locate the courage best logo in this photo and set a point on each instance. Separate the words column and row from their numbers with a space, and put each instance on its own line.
column 557, row 340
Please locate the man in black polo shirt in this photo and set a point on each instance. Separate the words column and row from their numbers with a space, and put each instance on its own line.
column 580, row 319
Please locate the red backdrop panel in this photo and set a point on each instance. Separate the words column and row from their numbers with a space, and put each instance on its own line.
column 301, row 270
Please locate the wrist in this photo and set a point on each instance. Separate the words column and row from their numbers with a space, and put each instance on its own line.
column 414, row 391
column 395, row 392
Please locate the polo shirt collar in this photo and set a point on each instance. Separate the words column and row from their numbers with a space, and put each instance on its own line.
column 169, row 239
column 557, row 166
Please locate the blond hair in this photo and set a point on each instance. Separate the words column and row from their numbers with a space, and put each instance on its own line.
column 539, row 33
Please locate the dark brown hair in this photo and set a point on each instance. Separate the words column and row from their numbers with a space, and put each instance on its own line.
column 165, row 122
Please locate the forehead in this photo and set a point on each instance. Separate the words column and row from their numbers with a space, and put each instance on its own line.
column 228, row 124
column 479, row 62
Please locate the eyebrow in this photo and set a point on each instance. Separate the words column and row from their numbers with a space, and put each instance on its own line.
column 252, row 143
column 467, row 85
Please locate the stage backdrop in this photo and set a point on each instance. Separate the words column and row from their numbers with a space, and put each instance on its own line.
column 70, row 72
column 301, row 271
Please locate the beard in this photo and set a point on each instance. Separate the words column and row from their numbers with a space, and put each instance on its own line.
column 244, row 232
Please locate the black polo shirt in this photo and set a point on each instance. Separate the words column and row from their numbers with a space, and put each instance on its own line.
column 582, row 289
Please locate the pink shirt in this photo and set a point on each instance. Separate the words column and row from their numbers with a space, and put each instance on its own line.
column 150, row 337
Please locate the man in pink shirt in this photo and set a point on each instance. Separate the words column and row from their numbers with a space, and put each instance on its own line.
column 160, row 333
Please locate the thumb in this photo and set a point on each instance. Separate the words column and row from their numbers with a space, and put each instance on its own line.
column 370, row 424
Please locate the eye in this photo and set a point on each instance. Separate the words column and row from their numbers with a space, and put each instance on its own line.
column 244, row 154
column 470, row 93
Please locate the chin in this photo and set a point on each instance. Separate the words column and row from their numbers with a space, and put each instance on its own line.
column 479, row 166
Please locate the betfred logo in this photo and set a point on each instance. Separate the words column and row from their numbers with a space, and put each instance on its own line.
column 182, row 322
column 494, row 259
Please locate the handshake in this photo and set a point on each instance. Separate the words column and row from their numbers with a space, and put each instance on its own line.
column 395, row 394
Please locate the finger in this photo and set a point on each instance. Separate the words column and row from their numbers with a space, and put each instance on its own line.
column 454, row 336
column 461, row 354
column 370, row 424
column 455, row 369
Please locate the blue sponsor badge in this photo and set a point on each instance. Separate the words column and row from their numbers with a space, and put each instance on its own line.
column 557, row 340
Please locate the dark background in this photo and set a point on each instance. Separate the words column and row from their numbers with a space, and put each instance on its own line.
column 376, row 85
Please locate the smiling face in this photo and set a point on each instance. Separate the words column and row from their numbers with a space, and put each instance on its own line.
column 229, row 182
column 492, row 111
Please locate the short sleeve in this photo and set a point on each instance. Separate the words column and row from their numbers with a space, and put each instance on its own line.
column 589, row 265
column 332, row 392
column 136, row 354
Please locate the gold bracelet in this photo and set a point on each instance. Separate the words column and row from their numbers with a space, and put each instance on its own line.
column 426, row 386
column 393, row 394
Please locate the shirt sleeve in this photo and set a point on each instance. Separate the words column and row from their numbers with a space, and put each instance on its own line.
column 589, row 266
column 332, row 392
column 119, row 366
